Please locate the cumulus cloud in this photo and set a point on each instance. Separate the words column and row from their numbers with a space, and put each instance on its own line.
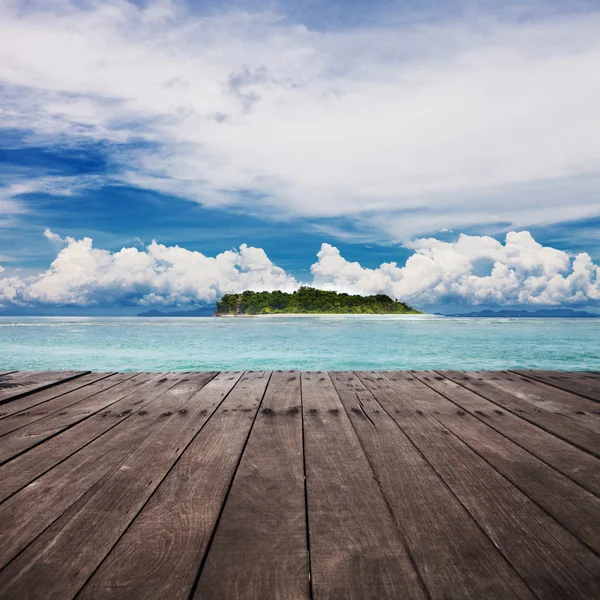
column 472, row 270
column 161, row 275
column 406, row 127
column 520, row 271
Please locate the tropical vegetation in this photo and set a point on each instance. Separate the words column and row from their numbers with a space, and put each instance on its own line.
column 307, row 300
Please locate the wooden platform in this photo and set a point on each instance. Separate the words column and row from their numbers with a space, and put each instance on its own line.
column 300, row 485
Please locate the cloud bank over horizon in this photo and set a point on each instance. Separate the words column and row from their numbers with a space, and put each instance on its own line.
column 473, row 270
column 403, row 128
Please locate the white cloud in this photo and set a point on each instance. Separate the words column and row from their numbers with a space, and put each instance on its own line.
column 11, row 208
column 54, row 237
column 407, row 128
column 472, row 270
column 520, row 271
column 12, row 191
column 84, row 275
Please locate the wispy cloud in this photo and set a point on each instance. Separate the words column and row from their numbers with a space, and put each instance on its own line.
column 10, row 206
column 405, row 128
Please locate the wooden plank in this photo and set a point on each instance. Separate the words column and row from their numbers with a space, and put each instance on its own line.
column 70, row 393
column 260, row 548
column 12, row 376
column 3, row 373
column 552, row 562
column 576, row 509
column 11, row 389
column 26, row 468
column 575, row 464
column 39, row 398
column 30, row 511
column 61, row 560
column 453, row 555
column 355, row 548
column 587, row 387
column 160, row 554
column 582, row 411
column 594, row 375
column 108, row 392
column 580, row 437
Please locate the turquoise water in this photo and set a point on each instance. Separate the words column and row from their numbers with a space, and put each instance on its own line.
column 312, row 343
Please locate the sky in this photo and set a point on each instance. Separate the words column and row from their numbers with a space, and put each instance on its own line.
column 163, row 153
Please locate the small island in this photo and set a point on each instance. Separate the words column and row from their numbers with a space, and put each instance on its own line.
column 307, row 300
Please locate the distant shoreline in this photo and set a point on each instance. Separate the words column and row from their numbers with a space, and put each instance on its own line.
column 379, row 315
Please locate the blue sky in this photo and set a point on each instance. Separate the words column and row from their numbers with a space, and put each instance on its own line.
column 365, row 126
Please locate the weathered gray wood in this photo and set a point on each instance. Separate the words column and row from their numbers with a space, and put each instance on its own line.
column 27, row 467
column 576, row 509
column 70, row 393
column 38, row 505
column 585, row 386
column 449, row 549
column 13, row 376
column 57, row 398
column 86, row 401
column 59, row 562
column 260, row 548
column 160, row 554
column 417, row 486
column 583, row 438
column 552, row 562
column 28, row 382
column 584, row 412
column 29, row 408
column 577, row 465
column 3, row 373
column 355, row 548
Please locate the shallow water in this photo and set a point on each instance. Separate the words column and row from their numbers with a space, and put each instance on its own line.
column 312, row 343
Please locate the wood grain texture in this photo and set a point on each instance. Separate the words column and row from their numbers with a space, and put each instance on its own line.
column 585, row 385
column 30, row 511
column 92, row 400
column 586, row 374
column 182, row 485
column 525, row 534
column 556, row 424
column 575, row 464
column 355, row 548
column 59, row 562
column 26, row 468
column 441, row 535
column 260, row 548
column 25, row 383
column 66, row 394
column 582, row 411
column 572, row 506
column 160, row 554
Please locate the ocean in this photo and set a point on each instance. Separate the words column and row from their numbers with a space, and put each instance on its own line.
column 338, row 342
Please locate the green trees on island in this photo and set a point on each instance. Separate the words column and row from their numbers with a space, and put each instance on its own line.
column 307, row 300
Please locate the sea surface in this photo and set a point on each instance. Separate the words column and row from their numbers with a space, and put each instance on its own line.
column 311, row 343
